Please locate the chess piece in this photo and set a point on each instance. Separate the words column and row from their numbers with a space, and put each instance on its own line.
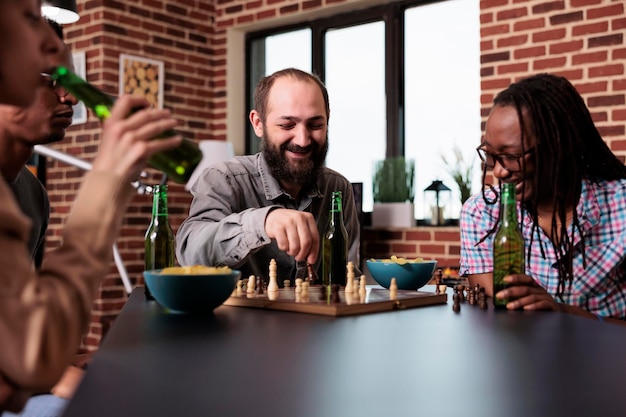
column 272, row 295
column 238, row 290
column 298, row 285
column 323, row 292
column 251, row 282
column 456, row 300
column 304, row 293
column 334, row 294
column 438, row 276
column 287, row 283
column 273, row 283
column 259, row 286
column 393, row 289
column 312, row 277
column 471, row 296
column 482, row 299
column 461, row 294
column 362, row 290
column 350, row 278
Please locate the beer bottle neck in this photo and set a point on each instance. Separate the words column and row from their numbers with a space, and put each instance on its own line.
column 335, row 209
column 159, row 204
column 99, row 102
column 509, row 205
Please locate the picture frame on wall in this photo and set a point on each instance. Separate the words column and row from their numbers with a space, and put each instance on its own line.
column 80, row 67
column 143, row 77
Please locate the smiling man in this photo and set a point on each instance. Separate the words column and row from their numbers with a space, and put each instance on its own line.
column 275, row 204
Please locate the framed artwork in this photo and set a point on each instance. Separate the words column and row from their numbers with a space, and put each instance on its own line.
column 142, row 77
column 80, row 67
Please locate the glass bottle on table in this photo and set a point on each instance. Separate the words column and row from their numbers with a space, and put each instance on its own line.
column 508, row 244
column 159, row 240
column 177, row 163
column 335, row 245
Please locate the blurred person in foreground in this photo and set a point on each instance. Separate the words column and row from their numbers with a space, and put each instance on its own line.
column 21, row 128
column 274, row 204
column 571, row 192
column 45, row 312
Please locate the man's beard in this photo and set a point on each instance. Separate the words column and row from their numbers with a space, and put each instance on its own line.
column 303, row 172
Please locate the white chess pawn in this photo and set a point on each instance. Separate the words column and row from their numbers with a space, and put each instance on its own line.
column 304, row 293
column 362, row 283
column 298, row 285
column 238, row 289
column 393, row 289
column 251, row 284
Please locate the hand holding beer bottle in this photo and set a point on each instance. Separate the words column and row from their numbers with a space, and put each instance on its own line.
column 177, row 163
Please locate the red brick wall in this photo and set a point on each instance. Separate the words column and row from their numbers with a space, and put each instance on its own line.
column 581, row 39
column 440, row 243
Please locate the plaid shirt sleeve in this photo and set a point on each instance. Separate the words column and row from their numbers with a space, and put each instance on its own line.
column 477, row 218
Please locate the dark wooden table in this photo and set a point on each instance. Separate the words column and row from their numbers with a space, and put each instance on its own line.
column 426, row 361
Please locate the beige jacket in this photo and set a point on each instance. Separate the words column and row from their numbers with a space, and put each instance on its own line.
column 44, row 314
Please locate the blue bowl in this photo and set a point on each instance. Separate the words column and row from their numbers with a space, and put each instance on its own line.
column 191, row 293
column 409, row 275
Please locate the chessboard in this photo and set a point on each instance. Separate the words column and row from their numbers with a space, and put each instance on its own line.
column 319, row 301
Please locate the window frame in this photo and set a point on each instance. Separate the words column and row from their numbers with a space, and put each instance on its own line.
column 393, row 16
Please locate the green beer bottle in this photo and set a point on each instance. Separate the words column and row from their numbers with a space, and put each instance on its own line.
column 177, row 163
column 508, row 244
column 335, row 246
column 159, row 239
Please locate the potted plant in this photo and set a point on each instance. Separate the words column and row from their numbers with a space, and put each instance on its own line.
column 461, row 172
column 394, row 193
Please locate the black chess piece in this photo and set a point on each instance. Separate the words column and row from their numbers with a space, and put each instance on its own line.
column 482, row 299
column 334, row 294
column 460, row 288
column 471, row 296
column 456, row 300
column 323, row 292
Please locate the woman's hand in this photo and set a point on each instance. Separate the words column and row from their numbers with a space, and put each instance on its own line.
column 526, row 294
column 127, row 143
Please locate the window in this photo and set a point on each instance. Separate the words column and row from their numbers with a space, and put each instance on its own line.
column 403, row 79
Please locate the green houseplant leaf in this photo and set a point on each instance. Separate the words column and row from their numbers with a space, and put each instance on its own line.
column 393, row 180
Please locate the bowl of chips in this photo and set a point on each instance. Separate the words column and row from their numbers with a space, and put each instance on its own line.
column 191, row 289
column 410, row 274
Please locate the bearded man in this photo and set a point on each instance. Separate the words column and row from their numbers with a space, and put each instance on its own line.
column 274, row 204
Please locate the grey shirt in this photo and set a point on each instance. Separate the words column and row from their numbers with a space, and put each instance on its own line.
column 226, row 223
column 32, row 198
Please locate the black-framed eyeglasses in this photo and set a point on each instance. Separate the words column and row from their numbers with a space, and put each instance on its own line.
column 509, row 161
column 58, row 89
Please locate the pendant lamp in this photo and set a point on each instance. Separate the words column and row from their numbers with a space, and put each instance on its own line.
column 61, row 11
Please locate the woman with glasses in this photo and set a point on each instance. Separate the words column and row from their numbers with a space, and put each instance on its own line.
column 45, row 312
column 571, row 192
